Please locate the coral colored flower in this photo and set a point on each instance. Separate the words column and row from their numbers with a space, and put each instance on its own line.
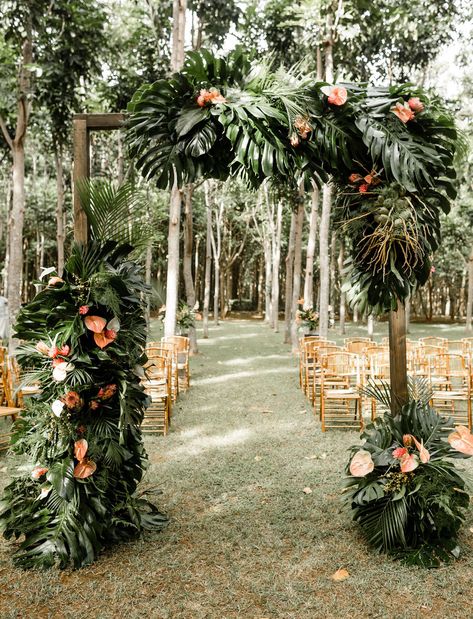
column 84, row 309
column 42, row 348
column 96, row 324
column 403, row 112
column 64, row 350
column 337, row 95
column 54, row 281
column 355, row 178
column 45, row 491
column 409, row 462
column 407, row 440
column 399, row 452
column 302, row 126
column 56, row 362
column 295, row 141
column 415, row 104
column 361, row 464
column 423, row 453
column 369, row 179
column 210, row 96
column 84, row 469
column 38, row 472
column 94, row 405
column 53, row 352
column 81, row 429
column 80, row 449
column 107, row 392
column 363, row 188
column 461, row 440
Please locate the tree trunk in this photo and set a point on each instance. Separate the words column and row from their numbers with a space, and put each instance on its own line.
column 148, row 264
column 172, row 278
column 60, row 232
column 178, row 34
column 342, row 310
column 296, row 287
column 289, row 279
column 309, row 264
column 469, row 303
column 370, row 326
column 408, row 314
column 275, row 269
column 268, row 279
column 259, row 309
column 333, row 280
column 208, row 269
column 324, row 261
column 187, row 263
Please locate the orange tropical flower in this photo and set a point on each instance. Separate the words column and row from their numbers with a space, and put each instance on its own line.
column 403, row 112
column 84, row 469
column 295, row 141
column 84, row 309
column 38, row 471
column 96, row 324
column 355, row 178
column 337, row 95
column 409, row 462
column 461, row 440
column 415, row 104
column 80, row 449
column 363, row 188
column 54, row 281
column 399, row 452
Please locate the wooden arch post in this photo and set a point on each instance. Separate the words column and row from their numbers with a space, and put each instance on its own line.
column 398, row 358
column 83, row 124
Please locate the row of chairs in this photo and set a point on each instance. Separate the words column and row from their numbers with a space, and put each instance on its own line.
column 166, row 375
column 334, row 377
column 11, row 397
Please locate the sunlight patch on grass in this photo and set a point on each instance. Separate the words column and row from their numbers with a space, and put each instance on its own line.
column 239, row 375
column 205, row 443
column 258, row 358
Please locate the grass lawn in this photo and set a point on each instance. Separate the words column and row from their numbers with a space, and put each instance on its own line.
column 244, row 540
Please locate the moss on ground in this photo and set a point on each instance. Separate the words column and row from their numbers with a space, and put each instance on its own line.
column 244, row 540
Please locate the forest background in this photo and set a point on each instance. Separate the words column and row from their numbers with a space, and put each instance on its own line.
column 240, row 250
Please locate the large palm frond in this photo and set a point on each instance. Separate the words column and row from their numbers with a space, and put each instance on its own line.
column 116, row 213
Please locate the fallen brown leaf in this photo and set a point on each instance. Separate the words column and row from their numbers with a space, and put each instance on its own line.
column 341, row 574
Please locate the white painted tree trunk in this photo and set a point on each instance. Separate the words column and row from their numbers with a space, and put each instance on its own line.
column 289, row 279
column 342, row 309
column 208, row 268
column 370, row 326
column 268, row 279
column 172, row 278
column 324, row 261
column 311, row 242
column 276, row 263
column 296, row 287
column 187, row 263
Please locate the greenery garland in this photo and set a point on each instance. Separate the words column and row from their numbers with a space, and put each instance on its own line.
column 84, row 336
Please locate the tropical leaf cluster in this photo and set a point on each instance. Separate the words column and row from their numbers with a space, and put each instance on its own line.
column 416, row 515
column 228, row 116
column 63, row 515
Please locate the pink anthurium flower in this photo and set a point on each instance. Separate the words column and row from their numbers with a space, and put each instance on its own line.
column 409, row 462
column 105, row 338
column 399, row 452
column 403, row 112
column 423, row 453
column 38, row 471
column 361, row 464
column 84, row 469
column 415, row 104
column 96, row 324
column 42, row 348
column 80, row 449
column 461, row 440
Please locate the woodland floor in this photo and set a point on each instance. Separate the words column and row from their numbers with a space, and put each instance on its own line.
column 244, row 540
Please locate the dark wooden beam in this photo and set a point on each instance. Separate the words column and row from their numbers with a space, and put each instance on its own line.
column 81, row 170
column 99, row 122
column 398, row 358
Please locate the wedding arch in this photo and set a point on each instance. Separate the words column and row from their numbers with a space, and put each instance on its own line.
column 388, row 152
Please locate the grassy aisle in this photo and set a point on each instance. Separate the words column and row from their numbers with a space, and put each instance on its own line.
column 244, row 540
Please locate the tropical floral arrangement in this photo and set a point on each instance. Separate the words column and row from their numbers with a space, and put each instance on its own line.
column 84, row 336
column 389, row 152
column 403, row 489
column 185, row 316
column 308, row 318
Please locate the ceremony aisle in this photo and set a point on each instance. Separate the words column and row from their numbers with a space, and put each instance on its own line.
column 257, row 527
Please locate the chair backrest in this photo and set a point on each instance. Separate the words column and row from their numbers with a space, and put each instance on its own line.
column 431, row 340
column 358, row 347
column 349, row 340
column 157, row 368
column 181, row 342
column 343, row 365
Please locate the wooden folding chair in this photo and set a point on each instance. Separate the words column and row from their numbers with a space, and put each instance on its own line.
column 6, row 409
column 431, row 340
column 341, row 403
column 157, row 386
column 182, row 347
column 167, row 350
column 451, row 387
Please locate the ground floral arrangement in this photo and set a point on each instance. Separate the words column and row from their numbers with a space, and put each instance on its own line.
column 404, row 490
column 85, row 335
